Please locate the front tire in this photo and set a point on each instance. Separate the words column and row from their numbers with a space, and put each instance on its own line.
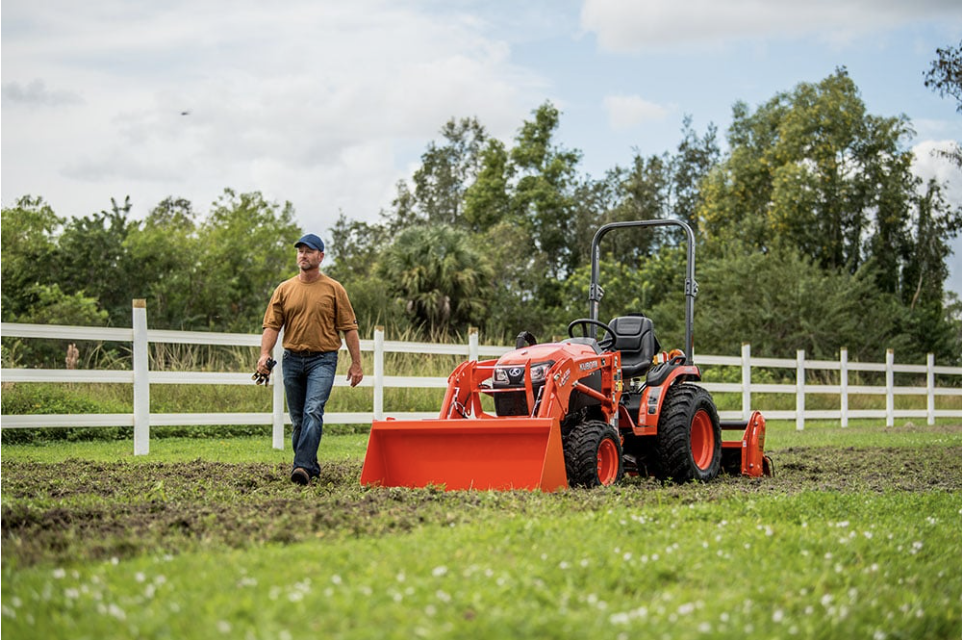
column 593, row 455
column 688, row 444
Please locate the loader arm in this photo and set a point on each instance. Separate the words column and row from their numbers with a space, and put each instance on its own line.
column 463, row 396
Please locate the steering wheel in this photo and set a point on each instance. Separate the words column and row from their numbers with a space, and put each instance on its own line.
column 584, row 323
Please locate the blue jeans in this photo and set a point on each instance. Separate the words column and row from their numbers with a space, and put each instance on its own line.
column 307, row 382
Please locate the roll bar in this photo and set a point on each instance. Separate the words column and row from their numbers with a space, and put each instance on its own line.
column 691, row 287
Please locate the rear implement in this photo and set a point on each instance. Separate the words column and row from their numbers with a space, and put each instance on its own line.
column 747, row 455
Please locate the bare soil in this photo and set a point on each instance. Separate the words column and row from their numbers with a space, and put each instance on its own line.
column 81, row 510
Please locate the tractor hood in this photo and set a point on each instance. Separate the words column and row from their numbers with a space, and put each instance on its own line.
column 553, row 351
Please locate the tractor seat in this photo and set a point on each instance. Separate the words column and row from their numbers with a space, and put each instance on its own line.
column 635, row 339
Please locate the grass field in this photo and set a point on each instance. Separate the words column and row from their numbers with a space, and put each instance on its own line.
column 857, row 536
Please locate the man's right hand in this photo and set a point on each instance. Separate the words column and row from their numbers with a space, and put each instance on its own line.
column 262, row 376
column 262, row 367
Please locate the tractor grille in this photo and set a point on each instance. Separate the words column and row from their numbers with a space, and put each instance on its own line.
column 511, row 403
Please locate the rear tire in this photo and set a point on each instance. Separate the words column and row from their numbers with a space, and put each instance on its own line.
column 593, row 455
column 688, row 444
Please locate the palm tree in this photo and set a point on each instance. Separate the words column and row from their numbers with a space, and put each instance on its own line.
column 439, row 277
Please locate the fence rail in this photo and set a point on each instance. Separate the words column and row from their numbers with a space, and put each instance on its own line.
column 142, row 378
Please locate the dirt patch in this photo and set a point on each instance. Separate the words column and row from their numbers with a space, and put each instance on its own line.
column 79, row 509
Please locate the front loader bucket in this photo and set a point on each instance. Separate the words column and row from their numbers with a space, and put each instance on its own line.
column 487, row 453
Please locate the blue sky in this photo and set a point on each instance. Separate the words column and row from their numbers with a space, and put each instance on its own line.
column 329, row 104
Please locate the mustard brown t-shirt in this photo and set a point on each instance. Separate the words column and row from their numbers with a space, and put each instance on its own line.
column 312, row 314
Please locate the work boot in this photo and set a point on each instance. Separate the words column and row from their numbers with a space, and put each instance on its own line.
column 300, row 476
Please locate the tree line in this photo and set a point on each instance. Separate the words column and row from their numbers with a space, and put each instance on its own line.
column 812, row 233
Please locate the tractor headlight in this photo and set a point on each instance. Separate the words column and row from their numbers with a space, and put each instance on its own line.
column 513, row 374
column 540, row 371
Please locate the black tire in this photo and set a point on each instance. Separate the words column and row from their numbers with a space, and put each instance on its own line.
column 593, row 455
column 688, row 444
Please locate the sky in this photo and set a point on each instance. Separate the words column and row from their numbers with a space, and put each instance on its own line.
column 328, row 104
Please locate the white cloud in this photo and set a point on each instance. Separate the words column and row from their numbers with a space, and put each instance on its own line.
column 36, row 94
column 307, row 101
column 328, row 104
column 634, row 25
column 626, row 112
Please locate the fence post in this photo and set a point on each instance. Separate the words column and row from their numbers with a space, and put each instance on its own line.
column 378, row 373
column 890, row 388
column 843, row 384
column 930, row 389
column 141, row 367
column 746, row 381
column 800, row 391
column 277, row 394
column 473, row 344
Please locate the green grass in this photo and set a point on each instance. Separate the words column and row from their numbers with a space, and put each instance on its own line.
column 227, row 450
column 780, row 435
column 862, row 433
column 856, row 537
column 820, row 565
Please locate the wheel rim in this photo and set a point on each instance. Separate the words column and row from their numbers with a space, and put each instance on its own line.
column 702, row 440
column 607, row 462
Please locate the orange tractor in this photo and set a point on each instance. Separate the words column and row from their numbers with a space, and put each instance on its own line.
column 579, row 412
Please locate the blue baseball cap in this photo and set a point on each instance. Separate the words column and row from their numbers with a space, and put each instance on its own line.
column 311, row 241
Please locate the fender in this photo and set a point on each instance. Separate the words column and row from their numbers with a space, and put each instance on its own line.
column 653, row 397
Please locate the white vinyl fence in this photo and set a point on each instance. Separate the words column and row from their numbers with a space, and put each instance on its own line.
column 142, row 378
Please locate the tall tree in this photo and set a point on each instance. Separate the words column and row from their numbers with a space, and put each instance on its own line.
column 543, row 195
column 595, row 203
column 354, row 248
column 93, row 260
column 811, row 172
column 945, row 74
column 926, row 270
column 165, row 248
column 811, row 169
column 29, row 246
column 945, row 78
column 447, row 170
column 782, row 301
column 691, row 164
column 487, row 201
column 641, row 193
column 441, row 280
column 248, row 246
column 351, row 258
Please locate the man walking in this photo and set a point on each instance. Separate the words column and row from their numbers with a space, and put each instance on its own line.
column 313, row 309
